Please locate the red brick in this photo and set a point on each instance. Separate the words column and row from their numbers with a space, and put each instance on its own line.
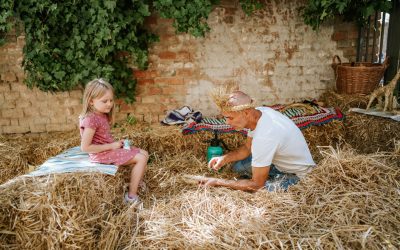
column 183, row 56
column 125, row 107
column 155, row 91
column 169, row 80
column 142, row 108
column 168, row 38
column 138, row 99
column 150, row 99
column 119, row 102
column 140, row 90
column 184, row 72
column 337, row 36
column 145, row 73
column 21, row 41
column 8, row 77
column 170, row 90
column 157, row 109
column 9, row 46
column 166, row 22
column 151, row 20
column 144, row 82
column 353, row 34
column 167, row 55
column 229, row 11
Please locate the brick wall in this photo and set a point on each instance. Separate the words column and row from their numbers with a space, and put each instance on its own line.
column 346, row 36
column 272, row 55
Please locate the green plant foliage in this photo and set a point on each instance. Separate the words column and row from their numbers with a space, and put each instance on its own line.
column 73, row 41
column 249, row 6
column 6, row 12
column 190, row 15
column 70, row 42
column 318, row 11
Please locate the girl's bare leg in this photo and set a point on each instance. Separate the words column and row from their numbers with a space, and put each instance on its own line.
column 139, row 163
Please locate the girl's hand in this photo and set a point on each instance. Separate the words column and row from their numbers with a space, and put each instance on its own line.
column 117, row 144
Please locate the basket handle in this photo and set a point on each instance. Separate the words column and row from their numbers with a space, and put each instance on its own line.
column 386, row 62
column 334, row 59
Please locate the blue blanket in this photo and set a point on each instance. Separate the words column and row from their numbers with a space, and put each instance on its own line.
column 72, row 160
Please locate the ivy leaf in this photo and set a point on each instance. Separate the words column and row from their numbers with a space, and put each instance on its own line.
column 59, row 75
column 110, row 5
column 144, row 10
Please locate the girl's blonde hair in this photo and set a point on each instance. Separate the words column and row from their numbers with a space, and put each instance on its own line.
column 96, row 89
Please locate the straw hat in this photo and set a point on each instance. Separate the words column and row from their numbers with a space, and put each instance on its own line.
column 224, row 97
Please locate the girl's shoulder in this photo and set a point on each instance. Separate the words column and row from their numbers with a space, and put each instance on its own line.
column 90, row 118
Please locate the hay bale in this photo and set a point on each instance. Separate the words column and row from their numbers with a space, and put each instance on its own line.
column 344, row 101
column 332, row 133
column 65, row 211
column 169, row 140
column 20, row 154
column 13, row 157
column 348, row 201
column 46, row 145
column 370, row 134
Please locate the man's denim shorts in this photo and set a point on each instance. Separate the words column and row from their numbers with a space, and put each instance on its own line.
column 277, row 179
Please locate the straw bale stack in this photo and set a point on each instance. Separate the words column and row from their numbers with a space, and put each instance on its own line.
column 349, row 200
column 344, row 101
column 13, row 157
column 65, row 211
column 369, row 134
column 329, row 134
column 20, row 154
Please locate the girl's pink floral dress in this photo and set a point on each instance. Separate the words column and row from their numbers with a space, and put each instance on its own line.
column 99, row 122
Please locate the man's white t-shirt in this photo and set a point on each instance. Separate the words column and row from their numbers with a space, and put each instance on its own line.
column 277, row 140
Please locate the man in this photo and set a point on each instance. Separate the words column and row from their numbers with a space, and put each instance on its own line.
column 275, row 154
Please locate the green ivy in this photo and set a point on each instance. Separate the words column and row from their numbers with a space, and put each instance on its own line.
column 190, row 15
column 318, row 11
column 6, row 12
column 70, row 42
column 249, row 6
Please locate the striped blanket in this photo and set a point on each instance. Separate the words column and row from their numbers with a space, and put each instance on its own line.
column 72, row 160
column 302, row 119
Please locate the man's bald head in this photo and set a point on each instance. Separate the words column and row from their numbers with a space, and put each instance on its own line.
column 229, row 99
column 238, row 98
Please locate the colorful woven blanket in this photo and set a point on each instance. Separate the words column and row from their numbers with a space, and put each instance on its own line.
column 301, row 117
column 72, row 160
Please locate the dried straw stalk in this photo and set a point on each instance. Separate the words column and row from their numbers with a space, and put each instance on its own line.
column 349, row 201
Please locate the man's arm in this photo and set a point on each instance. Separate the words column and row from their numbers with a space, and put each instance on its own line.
column 241, row 153
column 260, row 176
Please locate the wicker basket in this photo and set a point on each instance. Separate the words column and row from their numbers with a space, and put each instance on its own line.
column 357, row 78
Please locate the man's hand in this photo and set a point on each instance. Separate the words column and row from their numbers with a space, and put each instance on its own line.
column 209, row 182
column 216, row 163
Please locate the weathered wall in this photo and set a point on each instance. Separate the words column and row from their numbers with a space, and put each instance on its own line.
column 25, row 110
column 272, row 55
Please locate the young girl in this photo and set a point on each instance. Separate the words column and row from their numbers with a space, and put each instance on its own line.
column 94, row 122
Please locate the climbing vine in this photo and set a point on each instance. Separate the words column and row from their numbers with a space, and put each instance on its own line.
column 189, row 16
column 5, row 15
column 249, row 6
column 71, row 42
column 316, row 12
